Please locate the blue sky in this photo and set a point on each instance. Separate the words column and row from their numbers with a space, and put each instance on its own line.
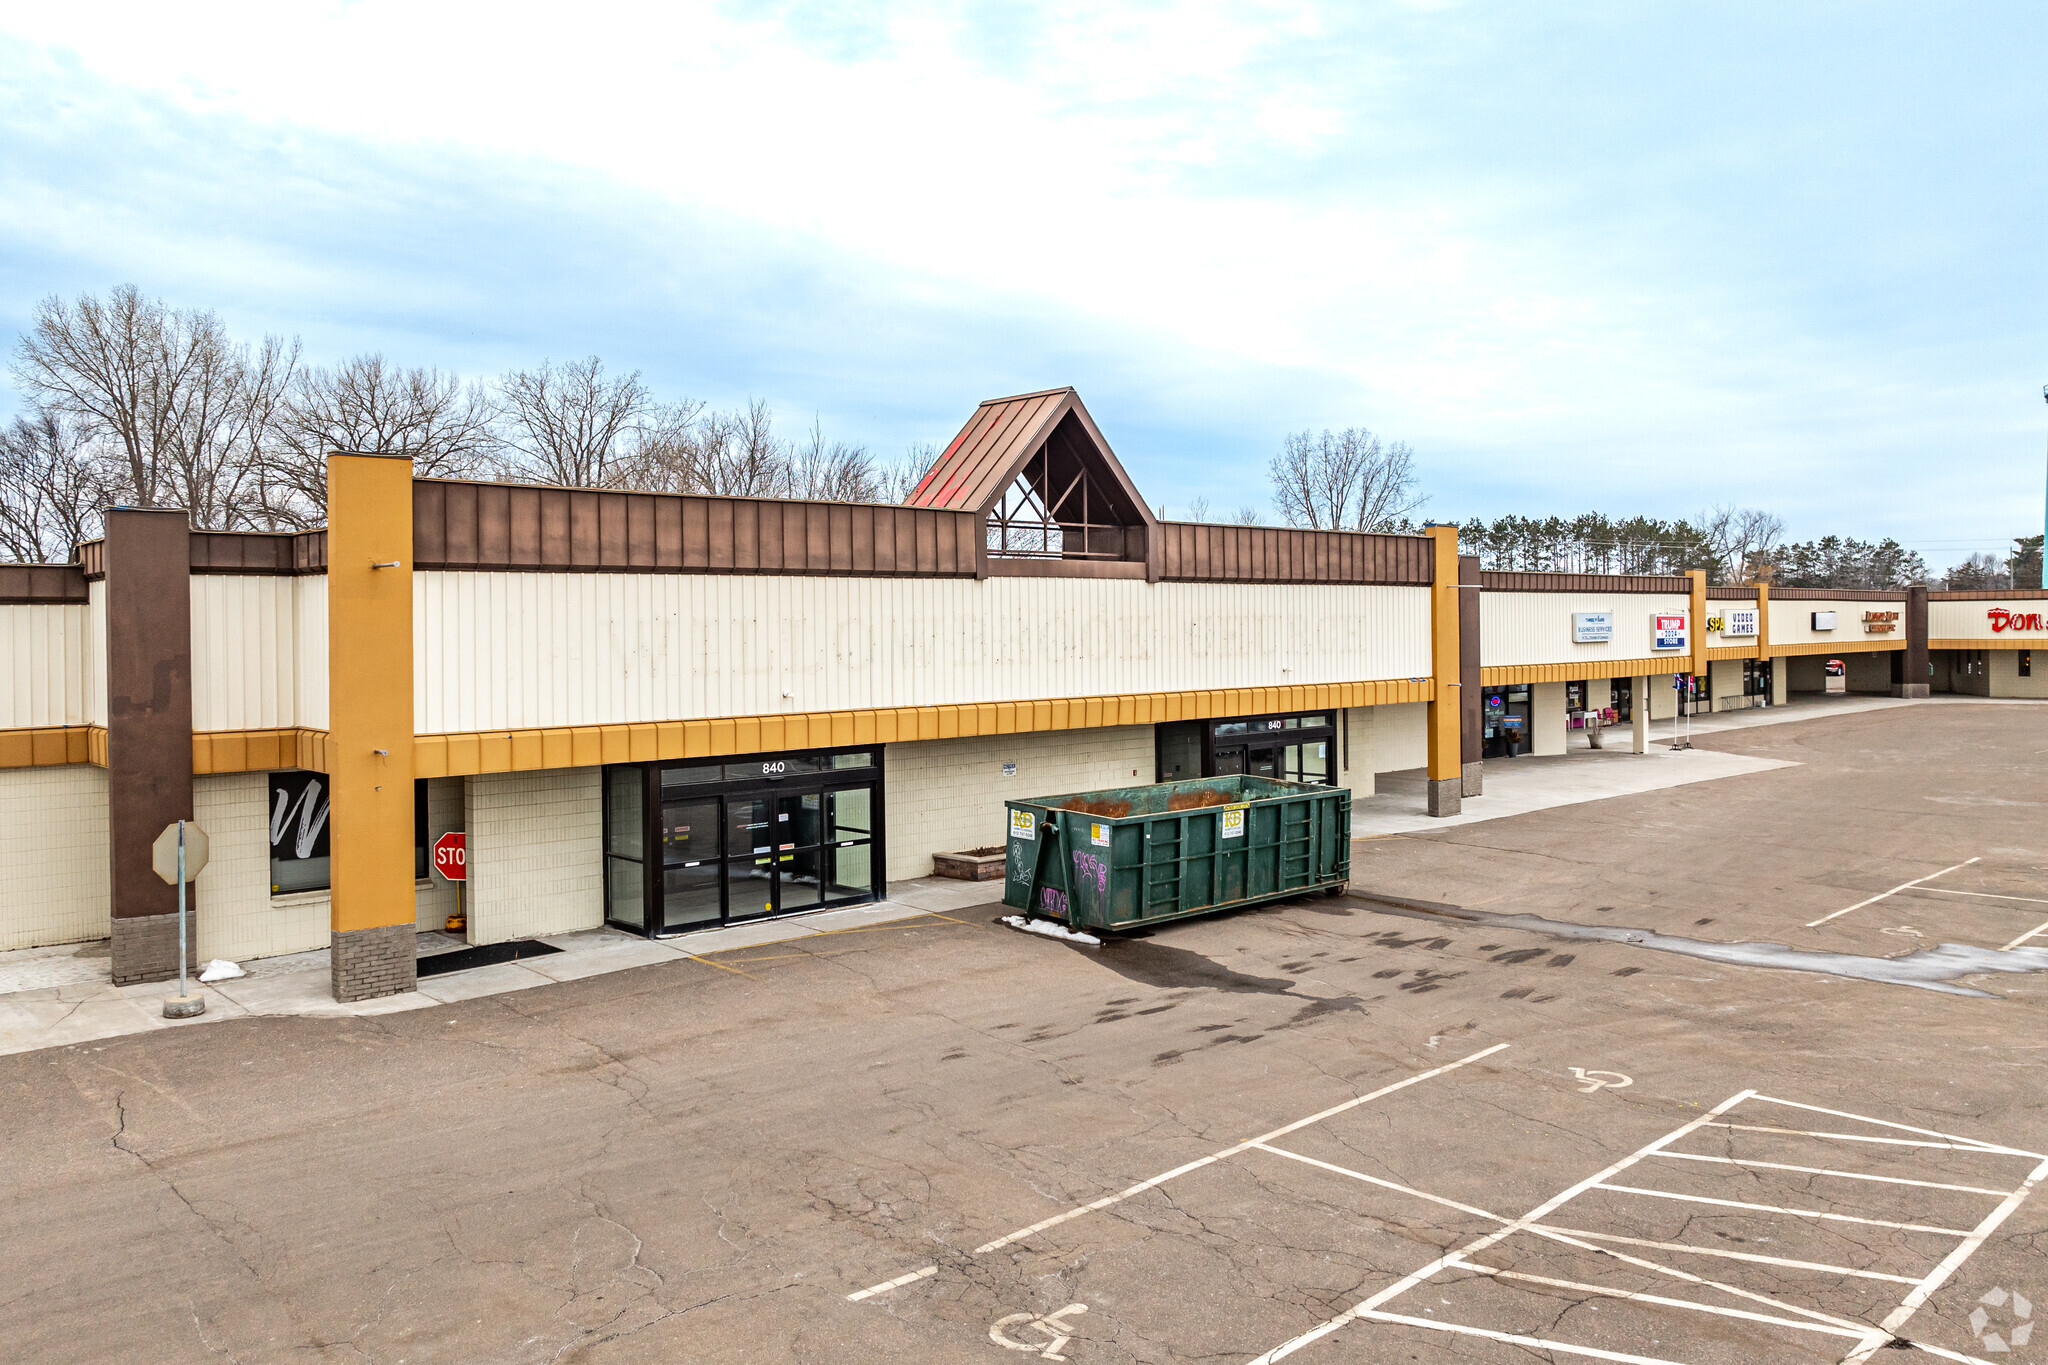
column 1635, row 257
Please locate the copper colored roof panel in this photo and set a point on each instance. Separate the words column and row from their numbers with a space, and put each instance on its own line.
column 979, row 463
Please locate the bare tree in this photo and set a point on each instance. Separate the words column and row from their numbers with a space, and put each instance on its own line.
column 1743, row 539
column 741, row 455
column 1343, row 481
column 835, row 472
column 1198, row 509
column 668, row 449
column 51, row 490
column 182, row 409
column 569, row 424
column 900, row 479
column 367, row 404
column 1248, row 515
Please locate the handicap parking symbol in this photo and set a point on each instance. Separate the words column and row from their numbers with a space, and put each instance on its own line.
column 1052, row 1326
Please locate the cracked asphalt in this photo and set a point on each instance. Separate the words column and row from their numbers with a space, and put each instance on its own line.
column 700, row 1161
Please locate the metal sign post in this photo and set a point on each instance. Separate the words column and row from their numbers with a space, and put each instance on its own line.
column 178, row 855
column 182, row 991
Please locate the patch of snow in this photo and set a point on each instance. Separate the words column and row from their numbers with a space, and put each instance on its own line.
column 220, row 969
column 1051, row 929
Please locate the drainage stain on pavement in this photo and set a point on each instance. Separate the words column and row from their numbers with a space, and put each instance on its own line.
column 1933, row 969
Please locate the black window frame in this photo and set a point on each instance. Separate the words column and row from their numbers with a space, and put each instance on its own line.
column 824, row 778
column 1278, row 736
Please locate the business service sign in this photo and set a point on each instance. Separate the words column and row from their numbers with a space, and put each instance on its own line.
column 1592, row 627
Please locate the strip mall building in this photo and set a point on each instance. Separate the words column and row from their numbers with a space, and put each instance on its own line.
column 668, row 712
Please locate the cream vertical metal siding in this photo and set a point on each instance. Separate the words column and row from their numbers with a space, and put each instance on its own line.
column 259, row 652
column 1517, row 628
column 96, row 653
column 521, row 650
column 1972, row 621
column 1792, row 623
column 46, row 660
column 309, row 604
column 245, row 657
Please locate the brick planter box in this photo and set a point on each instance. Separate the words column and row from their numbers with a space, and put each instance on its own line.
column 970, row 865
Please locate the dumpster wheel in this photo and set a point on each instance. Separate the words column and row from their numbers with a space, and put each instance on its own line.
column 1339, row 889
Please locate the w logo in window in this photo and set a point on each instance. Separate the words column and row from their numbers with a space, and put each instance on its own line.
column 298, row 815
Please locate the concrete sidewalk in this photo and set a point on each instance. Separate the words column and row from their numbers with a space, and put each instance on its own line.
column 1516, row 786
column 50, row 997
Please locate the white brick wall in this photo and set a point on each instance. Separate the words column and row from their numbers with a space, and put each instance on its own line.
column 238, row 919
column 1400, row 740
column 536, row 862
column 943, row 795
column 53, row 856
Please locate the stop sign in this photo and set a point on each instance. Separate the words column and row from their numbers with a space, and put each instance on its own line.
column 451, row 856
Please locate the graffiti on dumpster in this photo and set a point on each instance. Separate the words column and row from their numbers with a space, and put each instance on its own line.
column 1089, row 868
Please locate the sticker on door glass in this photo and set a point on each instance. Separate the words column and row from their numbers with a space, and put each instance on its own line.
column 1233, row 823
column 1099, row 834
column 1023, row 825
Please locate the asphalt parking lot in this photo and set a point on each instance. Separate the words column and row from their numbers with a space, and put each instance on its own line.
column 1445, row 1125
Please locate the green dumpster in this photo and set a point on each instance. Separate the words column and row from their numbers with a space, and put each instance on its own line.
column 1134, row 856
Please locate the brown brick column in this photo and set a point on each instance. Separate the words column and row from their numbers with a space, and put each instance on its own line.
column 1471, row 699
column 149, row 732
column 1913, row 674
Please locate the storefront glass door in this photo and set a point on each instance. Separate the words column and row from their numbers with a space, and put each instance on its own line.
column 1292, row 748
column 743, row 840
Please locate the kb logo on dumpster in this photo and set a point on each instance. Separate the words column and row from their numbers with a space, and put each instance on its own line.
column 1233, row 823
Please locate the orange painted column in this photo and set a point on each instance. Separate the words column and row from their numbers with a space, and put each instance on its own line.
column 1446, row 784
column 369, row 723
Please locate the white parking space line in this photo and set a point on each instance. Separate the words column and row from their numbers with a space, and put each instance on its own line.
column 1244, row 1146
column 1938, row 1276
column 1982, row 895
column 1369, row 1307
column 1960, row 1145
column 1383, row 1184
column 2035, row 932
column 1778, row 1312
column 1965, row 1144
column 1608, row 1291
column 897, row 1283
column 1774, row 1208
column 1513, row 1339
column 1902, row 886
column 1565, row 1236
column 1195, row 1165
column 1753, row 1256
column 1840, row 1175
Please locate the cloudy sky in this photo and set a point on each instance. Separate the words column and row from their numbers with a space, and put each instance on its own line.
column 1640, row 258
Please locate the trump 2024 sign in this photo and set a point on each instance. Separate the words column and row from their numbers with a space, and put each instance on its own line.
column 1667, row 632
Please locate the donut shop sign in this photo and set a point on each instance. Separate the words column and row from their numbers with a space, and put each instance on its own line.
column 2003, row 620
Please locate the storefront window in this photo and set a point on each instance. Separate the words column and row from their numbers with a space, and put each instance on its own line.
column 298, row 832
column 1294, row 748
column 741, row 838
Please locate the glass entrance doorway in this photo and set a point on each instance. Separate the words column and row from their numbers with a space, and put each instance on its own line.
column 741, row 840
column 1301, row 748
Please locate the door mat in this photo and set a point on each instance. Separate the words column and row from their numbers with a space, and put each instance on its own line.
column 484, row 955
